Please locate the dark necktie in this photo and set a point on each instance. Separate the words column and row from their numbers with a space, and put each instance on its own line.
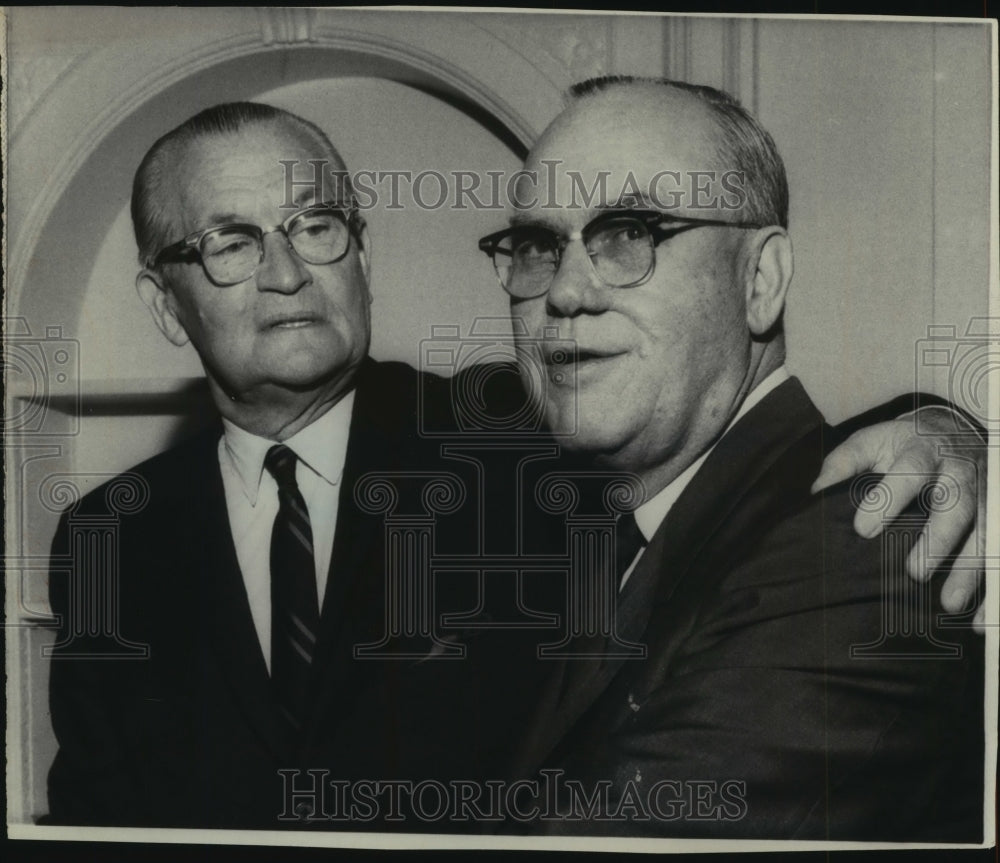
column 628, row 541
column 294, row 606
column 591, row 647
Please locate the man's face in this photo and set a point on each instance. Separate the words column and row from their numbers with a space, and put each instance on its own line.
column 290, row 325
column 661, row 365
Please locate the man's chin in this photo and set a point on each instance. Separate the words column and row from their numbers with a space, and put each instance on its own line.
column 304, row 374
column 581, row 443
column 578, row 436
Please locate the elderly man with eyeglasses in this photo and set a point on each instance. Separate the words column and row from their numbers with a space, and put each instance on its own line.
column 224, row 575
column 252, row 574
column 768, row 673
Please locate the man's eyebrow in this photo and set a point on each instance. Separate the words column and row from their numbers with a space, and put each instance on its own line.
column 629, row 201
column 217, row 219
column 523, row 220
column 306, row 198
column 306, row 195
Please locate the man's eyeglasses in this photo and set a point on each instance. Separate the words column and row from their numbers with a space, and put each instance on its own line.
column 230, row 254
column 621, row 245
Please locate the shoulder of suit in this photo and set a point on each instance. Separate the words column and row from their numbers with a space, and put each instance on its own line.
column 395, row 383
column 181, row 467
column 399, row 389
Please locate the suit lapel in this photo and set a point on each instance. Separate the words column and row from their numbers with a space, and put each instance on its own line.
column 373, row 445
column 577, row 683
column 736, row 464
column 732, row 471
column 231, row 631
column 352, row 610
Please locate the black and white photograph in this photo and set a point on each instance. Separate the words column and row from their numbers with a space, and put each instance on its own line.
column 489, row 430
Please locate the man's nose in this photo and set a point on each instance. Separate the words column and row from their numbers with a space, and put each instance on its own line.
column 282, row 269
column 576, row 288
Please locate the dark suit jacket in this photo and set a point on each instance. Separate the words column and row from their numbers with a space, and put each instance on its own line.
column 749, row 716
column 188, row 735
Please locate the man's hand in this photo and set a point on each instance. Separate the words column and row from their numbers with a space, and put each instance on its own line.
column 909, row 461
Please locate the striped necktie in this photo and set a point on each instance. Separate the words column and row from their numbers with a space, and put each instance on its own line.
column 294, row 605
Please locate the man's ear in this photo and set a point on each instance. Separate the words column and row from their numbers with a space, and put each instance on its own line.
column 769, row 273
column 161, row 304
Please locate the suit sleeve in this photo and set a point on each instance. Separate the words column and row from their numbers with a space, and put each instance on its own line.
column 782, row 712
column 894, row 409
column 89, row 782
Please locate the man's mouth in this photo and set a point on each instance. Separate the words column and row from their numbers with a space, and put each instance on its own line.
column 291, row 321
column 577, row 357
column 568, row 366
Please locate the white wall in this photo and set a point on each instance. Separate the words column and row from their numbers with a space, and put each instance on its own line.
column 884, row 132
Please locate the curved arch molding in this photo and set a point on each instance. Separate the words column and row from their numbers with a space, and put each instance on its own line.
column 66, row 155
column 84, row 109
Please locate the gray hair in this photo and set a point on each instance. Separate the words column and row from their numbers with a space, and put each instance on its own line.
column 148, row 221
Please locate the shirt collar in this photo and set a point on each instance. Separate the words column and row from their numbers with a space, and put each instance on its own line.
column 650, row 515
column 321, row 446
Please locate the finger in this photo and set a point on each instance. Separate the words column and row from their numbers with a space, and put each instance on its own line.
column 958, row 589
column 942, row 534
column 859, row 453
column 973, row 553
column 979, row 621
column 897, row 489
column 961, row 583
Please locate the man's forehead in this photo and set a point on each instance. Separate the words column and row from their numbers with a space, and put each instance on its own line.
column 257, row 168
column 569, row 214
column 629, row 108
column 640, row 147
column 257, row 149
column 626, row 124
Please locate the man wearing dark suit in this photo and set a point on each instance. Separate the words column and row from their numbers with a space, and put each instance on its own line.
column 770, row 674
column 248, row 567
column 240, row 674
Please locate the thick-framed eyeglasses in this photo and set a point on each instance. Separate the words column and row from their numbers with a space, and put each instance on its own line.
column 230, row 254
column 621, row 245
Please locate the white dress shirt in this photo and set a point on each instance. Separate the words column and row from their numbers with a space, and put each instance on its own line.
column 252, row 501
column 651, row 514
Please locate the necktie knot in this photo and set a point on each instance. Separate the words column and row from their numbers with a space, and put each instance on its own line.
column 280, row 463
